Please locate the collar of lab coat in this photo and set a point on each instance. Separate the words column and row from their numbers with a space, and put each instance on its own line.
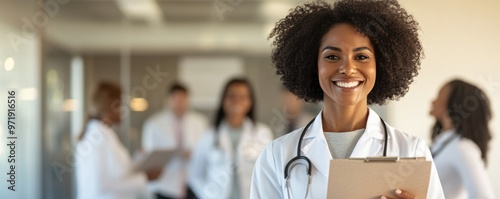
column 225, row 140
column 171, row 120
column 99, row 126
column 441, row 138
column 247, row 125
column 369, row 144
column 167, row 113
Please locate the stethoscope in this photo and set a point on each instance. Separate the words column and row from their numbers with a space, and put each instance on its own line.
column 290, row 165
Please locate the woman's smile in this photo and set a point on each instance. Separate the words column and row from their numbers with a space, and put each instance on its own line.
column 348, row 85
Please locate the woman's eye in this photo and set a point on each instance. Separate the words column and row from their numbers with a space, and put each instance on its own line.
column 361, row 57
column 332, row 57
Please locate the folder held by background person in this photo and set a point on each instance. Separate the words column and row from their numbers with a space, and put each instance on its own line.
column 155, row 159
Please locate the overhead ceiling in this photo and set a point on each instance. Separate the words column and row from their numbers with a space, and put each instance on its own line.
column 181, row 10
column 93, row 10
column 185, row 26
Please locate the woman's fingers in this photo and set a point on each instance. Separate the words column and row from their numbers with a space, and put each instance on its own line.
column 401, row 194
column 404, row 194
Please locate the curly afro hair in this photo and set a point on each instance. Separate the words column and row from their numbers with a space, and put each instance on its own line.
column 392, row 31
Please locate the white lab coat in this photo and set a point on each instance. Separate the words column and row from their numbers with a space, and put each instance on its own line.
column 268, row 177
column 104, row 169
column 461, row 169
column 211, row 170
column 159, row 133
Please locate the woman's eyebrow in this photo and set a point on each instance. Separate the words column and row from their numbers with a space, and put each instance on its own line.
column 340, row 50
column 362, row 48
column 332, row 48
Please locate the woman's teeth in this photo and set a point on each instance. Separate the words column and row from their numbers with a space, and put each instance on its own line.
column 347, row 84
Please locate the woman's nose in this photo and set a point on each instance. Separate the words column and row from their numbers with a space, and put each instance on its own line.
column 348, row 68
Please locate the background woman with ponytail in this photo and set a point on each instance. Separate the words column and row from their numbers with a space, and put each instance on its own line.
column 461, row 136
column 104, row 169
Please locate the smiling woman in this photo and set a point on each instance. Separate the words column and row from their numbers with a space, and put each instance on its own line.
column 347, row 71
column 392, row 33
column 349, row 55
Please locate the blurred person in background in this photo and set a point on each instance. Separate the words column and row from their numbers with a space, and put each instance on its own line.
column 223, row 160
column 104, row 169
column 461, row 136
column 173, row 128
column 295, row 114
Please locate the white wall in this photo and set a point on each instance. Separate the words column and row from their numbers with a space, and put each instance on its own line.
column 24, row 78
column 460, row 39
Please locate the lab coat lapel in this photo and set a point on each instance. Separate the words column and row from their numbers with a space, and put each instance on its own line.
column 225, row 142
column 441, row 139
column 371, row 143
column 315, row 148
column 246, row 142
column 168, row 123
column 246, row 134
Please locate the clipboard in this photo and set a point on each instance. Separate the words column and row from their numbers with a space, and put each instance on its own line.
column 371, row 177
column 155, row 159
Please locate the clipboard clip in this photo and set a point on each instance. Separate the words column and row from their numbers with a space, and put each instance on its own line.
column 387, row 159
column 382, row 159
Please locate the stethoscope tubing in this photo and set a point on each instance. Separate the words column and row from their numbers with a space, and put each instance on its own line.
column 299, row 146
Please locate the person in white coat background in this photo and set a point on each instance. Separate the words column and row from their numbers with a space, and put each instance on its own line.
column 104, row 168
column 296, row 116
column 224, row 158
column 173, row 128
column 348, row 55
column 461, row 136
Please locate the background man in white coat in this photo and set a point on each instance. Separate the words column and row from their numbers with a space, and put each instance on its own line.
column 174, row 128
